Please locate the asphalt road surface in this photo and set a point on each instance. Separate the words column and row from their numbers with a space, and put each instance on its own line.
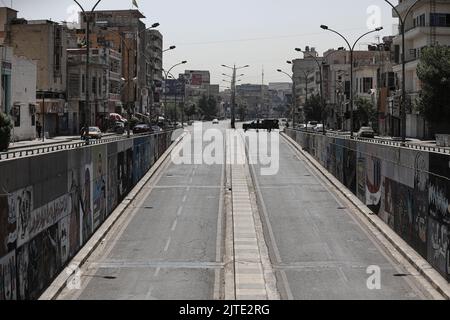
column 170, row 244
column 169, row 247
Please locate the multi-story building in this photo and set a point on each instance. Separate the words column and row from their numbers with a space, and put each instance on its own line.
column 6, row 57
column 24, row 73
column 124, row 32
column 154, row 53
column 254, row 98
column 45, row 42
column 280, row 97
column 105, row 88
column 427, row 24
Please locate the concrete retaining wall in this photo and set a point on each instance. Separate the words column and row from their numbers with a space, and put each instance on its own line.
column 51, row 204
column 408, row 189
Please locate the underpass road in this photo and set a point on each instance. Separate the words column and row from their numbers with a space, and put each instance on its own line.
column 168, row 246
column 318, row 249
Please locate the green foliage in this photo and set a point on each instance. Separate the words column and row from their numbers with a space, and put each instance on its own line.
column 365, row 113
column 5, row 131
column 191, row 111
column 242, row 111
column 434, row 73
column 313, row 108
column 208, row 107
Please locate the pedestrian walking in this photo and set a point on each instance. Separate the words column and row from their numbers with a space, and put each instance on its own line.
column 38, row 129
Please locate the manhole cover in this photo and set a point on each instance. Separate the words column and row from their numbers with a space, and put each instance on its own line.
column 109, row 278
column 401, row 275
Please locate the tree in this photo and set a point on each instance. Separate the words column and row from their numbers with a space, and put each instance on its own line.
column 313, row 108
column 191, row 111
column 208, row 107
column 434, row 73
column 5, row 131
column 242, row 111
column 366, row 113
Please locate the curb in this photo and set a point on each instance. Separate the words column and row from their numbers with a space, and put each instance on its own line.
column 436, row 280
column 60, row 282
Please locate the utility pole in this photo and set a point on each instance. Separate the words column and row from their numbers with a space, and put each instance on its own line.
column 88, row 16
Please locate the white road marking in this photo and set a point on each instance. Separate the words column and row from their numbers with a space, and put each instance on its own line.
column 180, row 210
column 174, row 225
column 166, row 248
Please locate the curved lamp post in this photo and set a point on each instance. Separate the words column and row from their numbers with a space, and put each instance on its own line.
column 294, row 98
column 352, row 49
column 233, row 93
column 320, row 64
column 87, row 111
column 166, row 75
column 306, row 73
column 402, row 29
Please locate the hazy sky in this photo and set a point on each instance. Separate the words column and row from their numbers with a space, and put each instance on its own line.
column 260, row 33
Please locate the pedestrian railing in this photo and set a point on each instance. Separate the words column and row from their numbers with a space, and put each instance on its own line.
column 381, row 141
column 25, row 152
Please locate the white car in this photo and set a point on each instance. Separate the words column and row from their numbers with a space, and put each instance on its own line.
column 215, row 121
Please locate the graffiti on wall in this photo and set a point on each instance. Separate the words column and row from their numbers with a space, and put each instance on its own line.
column 8, row 277
column 37, row 242
column 408, row 189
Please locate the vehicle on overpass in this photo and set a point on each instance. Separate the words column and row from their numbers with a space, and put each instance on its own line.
column 91, row 133
column 266, row 124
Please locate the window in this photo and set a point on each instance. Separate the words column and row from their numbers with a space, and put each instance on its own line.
column 367, row 84
column 94, row 85
column 439, row 20
column 16, row 115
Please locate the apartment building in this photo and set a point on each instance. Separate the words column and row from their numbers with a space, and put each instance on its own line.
column 124, row 32
column 428, row 24
column 105, row 88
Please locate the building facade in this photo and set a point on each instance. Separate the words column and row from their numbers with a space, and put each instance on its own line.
column 428, row 24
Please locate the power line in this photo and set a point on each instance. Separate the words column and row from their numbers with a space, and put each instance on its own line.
column 279, row 37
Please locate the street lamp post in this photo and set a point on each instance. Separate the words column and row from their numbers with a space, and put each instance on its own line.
column 320, row 65
column 352, row 49
column 166, row 75
column 402, row 28
column 306, row 73
column 233, row 93
column 294, row 98
column 87, row 111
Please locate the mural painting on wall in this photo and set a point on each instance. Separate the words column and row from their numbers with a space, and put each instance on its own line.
column 43, row 261
column 20, row 204
column 99, row 185
column 86, row 204
column 439, row 210
column 373, row 183
column 8, row 277
column 361, row 178
column 340, row 160
column 420, row 202
column 8, row 227
column 350, row 166
column 112, row 183
column 74, row 211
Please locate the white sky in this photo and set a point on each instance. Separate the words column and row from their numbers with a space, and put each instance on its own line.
column 260, row 33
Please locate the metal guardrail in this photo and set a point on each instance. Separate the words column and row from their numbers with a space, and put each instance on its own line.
column 68, row 146
column 382, row 142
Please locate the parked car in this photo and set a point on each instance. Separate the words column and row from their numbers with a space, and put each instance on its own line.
column 318, row 128
column 366, row 132
column 91, row 133
column 311, row 125
column 301, row 126
column 215, row 121
column 267, row 124
column 156, row 129
column 119, row 127
column 142, row 128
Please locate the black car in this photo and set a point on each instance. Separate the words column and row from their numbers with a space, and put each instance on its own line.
column 267, row 124
column 142, row 128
